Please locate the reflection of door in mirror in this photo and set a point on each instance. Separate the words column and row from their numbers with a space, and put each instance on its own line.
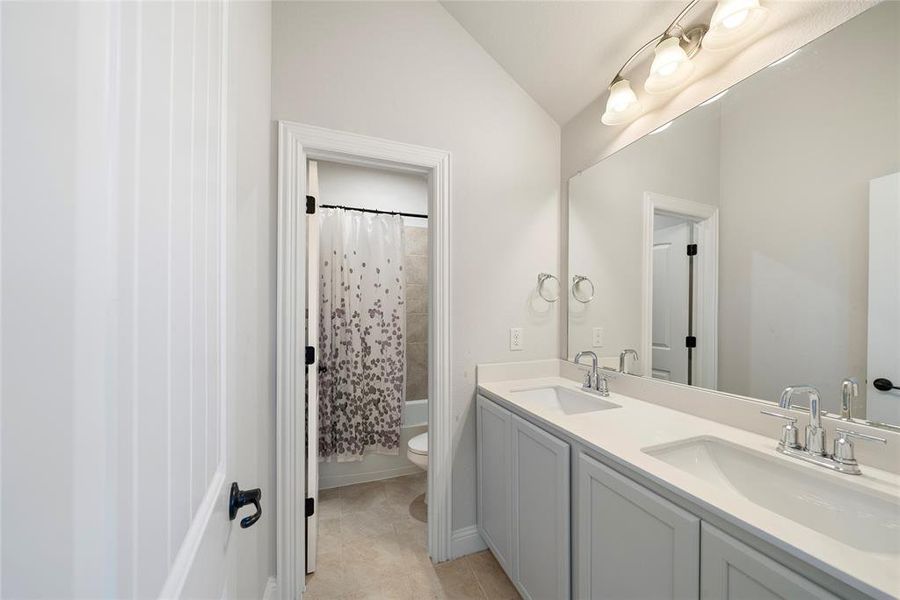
column 884, row 298
column 671, row 297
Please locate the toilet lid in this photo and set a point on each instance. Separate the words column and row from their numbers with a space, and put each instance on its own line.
column 419, row 444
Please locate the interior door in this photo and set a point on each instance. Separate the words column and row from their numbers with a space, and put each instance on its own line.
column 884, row 298
column 116, row 328
column 312, row 377
column 670, row 298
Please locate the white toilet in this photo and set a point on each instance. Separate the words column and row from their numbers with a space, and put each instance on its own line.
column 417, row 450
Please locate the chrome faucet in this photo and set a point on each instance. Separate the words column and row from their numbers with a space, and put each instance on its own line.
column 849, row 391
column 815, row 435
column 623, row 356
column 594, row 382
column 842, row 459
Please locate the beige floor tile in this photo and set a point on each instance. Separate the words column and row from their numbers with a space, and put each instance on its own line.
column 329, row 539
column 373, row 545
column 457, row 581
column 490, row 575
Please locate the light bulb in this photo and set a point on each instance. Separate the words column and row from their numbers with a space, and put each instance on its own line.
column 622, row 105
column 733, row 21
column 670, row 69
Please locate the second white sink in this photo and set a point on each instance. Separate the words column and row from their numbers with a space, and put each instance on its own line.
column 566, row 400
column 833, row 504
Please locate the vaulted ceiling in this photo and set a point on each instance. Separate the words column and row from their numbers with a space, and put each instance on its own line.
column 565, row 53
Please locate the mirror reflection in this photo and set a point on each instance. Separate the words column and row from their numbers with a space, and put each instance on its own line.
column 754, row 242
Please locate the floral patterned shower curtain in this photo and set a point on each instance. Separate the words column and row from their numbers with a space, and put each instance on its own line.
column 362, row 345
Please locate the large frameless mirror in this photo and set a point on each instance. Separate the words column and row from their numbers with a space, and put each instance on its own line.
column 754, row 242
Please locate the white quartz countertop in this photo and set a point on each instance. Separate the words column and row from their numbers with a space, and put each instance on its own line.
column 621, row 434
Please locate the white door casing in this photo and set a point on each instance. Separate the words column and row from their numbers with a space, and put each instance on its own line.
column 298, row 143
column 884, row 298
column 670, row 302
column 117, row 250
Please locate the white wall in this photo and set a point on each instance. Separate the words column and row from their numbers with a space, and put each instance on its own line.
column 114, row 201
column 409, row 72
column 362, row 187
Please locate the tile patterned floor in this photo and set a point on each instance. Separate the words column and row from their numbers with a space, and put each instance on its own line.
column 372, row 545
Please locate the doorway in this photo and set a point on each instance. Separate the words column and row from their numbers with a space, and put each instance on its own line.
column 680, row 283
column 298, row 145
column 367, row 321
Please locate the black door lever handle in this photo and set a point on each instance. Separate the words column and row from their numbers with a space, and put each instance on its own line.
column 241, row 498
column 884, row 385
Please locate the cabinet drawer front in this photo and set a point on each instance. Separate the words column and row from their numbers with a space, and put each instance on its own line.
column 540, row 480
column 493, row 430
column 631, row 542
column 731, row 569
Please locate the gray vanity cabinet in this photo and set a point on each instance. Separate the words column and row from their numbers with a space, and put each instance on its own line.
column 540, row 512
column 524, row 502
column 494, row 496
column 631, row 543
column 731, row 570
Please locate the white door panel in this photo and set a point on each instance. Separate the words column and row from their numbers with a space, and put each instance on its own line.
column 115, row 255
column 884, row 298
column 312, row 376
column 670, row 302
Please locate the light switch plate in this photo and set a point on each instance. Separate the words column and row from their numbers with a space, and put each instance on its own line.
column 598, row 337
column 516, row 338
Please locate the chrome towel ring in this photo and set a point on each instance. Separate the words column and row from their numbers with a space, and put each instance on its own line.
column 542, row 279
column 577, row 280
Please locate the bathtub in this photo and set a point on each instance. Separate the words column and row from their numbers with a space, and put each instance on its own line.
column 375, row 467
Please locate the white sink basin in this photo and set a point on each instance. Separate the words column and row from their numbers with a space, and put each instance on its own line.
column 566, row 400
column 833, row 504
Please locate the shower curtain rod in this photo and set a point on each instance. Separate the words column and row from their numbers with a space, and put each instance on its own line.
column 376, row 211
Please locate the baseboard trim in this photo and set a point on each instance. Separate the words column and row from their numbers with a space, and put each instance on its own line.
column 271, row 591
column 342, row 480
column 466, row 540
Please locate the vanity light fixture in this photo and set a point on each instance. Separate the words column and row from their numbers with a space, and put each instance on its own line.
column 732, row 21
column 622, row 105
column 672, row 64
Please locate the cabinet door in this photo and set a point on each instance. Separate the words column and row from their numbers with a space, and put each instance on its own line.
column 494, row 425
column 632, row 543
column 733, row 570
column 540, row 505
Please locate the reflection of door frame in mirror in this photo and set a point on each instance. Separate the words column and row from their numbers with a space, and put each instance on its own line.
column 706, row 282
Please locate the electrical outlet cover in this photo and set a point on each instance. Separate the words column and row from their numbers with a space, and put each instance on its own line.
column 598, row 337
column 516, row 338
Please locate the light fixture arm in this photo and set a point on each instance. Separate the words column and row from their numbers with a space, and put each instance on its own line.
column 687, row 36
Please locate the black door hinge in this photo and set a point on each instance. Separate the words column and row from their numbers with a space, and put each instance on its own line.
column 310, row 205
column 690, row 342
column 310, row 355
column 310, row 507
column 692, row 249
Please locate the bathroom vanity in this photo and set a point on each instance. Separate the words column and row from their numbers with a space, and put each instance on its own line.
column 588, row 497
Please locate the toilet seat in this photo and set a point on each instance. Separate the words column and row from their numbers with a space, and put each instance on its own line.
column 417, row 450
column 419, row 444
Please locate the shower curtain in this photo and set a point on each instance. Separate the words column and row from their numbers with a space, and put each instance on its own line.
column 362, row 342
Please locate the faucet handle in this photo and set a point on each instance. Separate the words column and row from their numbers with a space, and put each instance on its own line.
column 843, row 447
column 789, row 433
column 846, row 433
